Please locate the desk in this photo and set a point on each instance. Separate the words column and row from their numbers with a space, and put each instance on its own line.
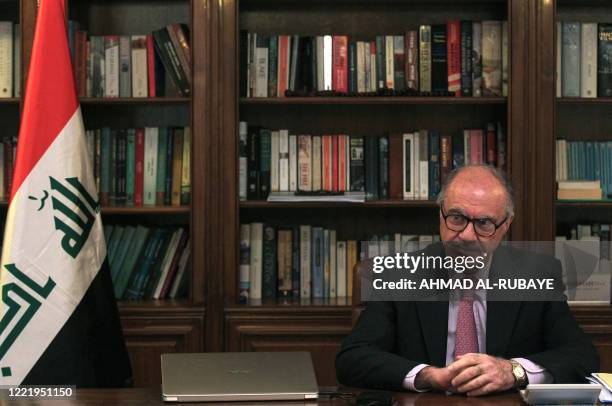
column 152, row 397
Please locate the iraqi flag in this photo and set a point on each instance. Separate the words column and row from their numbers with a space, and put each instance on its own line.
column 59, row 322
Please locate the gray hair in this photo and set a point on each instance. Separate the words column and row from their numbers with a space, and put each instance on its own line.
column 497, row 174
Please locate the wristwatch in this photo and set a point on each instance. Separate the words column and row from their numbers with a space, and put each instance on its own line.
column 520, row 376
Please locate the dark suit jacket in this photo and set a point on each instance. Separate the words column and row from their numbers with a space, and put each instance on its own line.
column 392, row 337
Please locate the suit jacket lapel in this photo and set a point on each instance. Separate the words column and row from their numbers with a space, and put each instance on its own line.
column 501, row 315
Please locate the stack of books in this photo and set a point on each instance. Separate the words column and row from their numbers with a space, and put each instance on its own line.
column 579, row 190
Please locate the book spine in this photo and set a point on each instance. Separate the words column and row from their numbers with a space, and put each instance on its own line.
column 293, row 164
column 295, row 261
column 458, row 155
column 381, row 70
column 160, row 187
column 504, row 56
column 242, row 160
column 317, row 276
column 186, row 168
column 261, row 66
column 604, row 60
column 367, row 66
column 340, row 64
column 389, row 63
column 371, row 167
column 111, row 69
column 6, row 59
column 357, row 164
column 139, row 168
column 265, row 159
column 284, row 263
column 439, row 62
column 399, row 63
column 407, row 165
column 491, row 145
column 558, row 47
column 150, row 165
column 80, row 62
column 434, row 164
column 466, row 58
column 320, row 55
column 454, row 57
column 130, row 171
column 304, row 163
column 256, row 265
column 412, row 60
column 326, row 163
column 476, row 59
column 181, row 46
column 328, row 63
column 273, row 66
column 283, row 64
column 125, row 66
column 333, row 270
column 305, row 261
column 334, row 160
column 491, row 58
column 274, row 161
column 244, row 63
column 373, row 68
column 425, row 61
column 423, row 164
column 395, row 167
column 383, row 167
column 342, row 141
column 253, row 147
column 446, row 148
column 316, row 163
column 142, row 66
column 341, row 268
column 359, row 67
column 283, row 160
column 326, row 270
column 177, row 165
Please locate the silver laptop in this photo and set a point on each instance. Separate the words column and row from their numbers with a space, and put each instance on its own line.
column 231, row 376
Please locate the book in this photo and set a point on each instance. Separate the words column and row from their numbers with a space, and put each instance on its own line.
column 491, row 58
column 604, row 60
column 125, row 66
column 412, row 60
column 6, row 59
column 588, row 60
column 111, row 65
column 439, row 59
column 570, row 84
column 466, row 58
column 244, row 281
column 151, row 138
column 139, row 67
column 476, row 59
column 425, row 58
column 453, row 46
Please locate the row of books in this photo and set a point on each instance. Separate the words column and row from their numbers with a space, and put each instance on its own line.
column 459, row 58
column 584, row 59
column 148, row 263
column 10, row 55
column 131, row 65
column 136, row 167
column 304, row 261
column 8, row 147
column 397, row 166
column 585, row 161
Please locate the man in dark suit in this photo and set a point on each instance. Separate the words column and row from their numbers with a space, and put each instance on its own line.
column 470, row 343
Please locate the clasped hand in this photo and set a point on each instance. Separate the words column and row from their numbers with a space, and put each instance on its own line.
column 472, row 374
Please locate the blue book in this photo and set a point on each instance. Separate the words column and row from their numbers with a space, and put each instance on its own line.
column 295, row 261
column 434, row 164
column 317, row 276
column 588, row 164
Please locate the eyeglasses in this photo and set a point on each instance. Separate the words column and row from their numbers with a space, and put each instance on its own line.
column 457, row 222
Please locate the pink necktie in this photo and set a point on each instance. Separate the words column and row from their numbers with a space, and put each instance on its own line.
column 466, row 339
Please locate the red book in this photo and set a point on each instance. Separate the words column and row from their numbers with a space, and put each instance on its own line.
column 283, row 64
column 396, row 157
column 342, row 163
column 335, row 163
column 326, row 159
column 151, row 65
column 446, row 157
column 453, row 48
column 491, row 147
column 80, row 62
column 340, row 63
column 139, row 168
column 476, row 140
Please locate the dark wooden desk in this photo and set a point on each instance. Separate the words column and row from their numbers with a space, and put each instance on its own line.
column 152, row 397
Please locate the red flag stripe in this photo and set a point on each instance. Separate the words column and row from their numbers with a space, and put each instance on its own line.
column 50, row 98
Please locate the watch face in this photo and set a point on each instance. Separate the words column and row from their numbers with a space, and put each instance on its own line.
column 519, row 372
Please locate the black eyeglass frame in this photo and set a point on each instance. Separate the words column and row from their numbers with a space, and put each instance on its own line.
column 470, row 220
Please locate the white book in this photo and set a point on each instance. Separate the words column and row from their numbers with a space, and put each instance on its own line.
column 416, row 167
column 423, row 165
column 372, row 85
column 305, row 260
column 274, row 164
column 320, row 63
column 140, row 86
column 256, row 260
column 283, row 161
column 17, row 60
column 333, row 262
column 389, row 62
column 242, row 160
column 559, row 47
column 167, row 261
column 150, row 164
column 504, row 58
column 244, row 277
column 341, row 269
column 111, row 69
column 261, row 66
column 588, row 71
column 327, row 62
column 492, row 58
column 361, row 72
column 181, row 269
column 6, row 59
column 293, row 164
column 407, row 165
column 316, row 163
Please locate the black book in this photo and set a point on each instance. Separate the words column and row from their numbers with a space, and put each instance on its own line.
column 466, row 58
column 269, row 271
column 169, row 57
column 383, row 167
column 458, row 153
column 253, row 163
column 120, row 167
column 439, row 61
column 273, row 66
column 304, row 72
column 371, row 168
column 357, row 164
column 604, row 60
column 265, row 162
column 352, row 67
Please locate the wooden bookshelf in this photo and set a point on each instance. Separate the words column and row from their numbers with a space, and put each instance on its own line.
column 372, row 100
column 258, row 204
column 157, row 210
column 134, row 100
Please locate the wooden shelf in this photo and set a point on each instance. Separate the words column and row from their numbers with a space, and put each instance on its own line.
column 373, row 100
column 584, row 203
column 10, row 100
column 343, row 302
column 134, row 100
column 584, row 100
column 262, row 204
column 146, row 210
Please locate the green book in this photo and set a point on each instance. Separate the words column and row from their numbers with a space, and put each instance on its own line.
column 143, row 272
column 122, row 249
column 129, row 265
column 162, row 166
column 113, row 244
column 130, row 167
